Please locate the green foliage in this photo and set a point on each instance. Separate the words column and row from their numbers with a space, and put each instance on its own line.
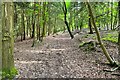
column 67, row 3
column 112, row 37
column 81, row 44
column 87, row 46
column 91, row 36
column 9, row 74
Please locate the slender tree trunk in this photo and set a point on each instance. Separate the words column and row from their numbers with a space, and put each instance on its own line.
column 90, row 25
column 70, row 20
column 30, row 31
column 38, row 24
column 54, row 28
column 15, row 15
column 98, row 36
column 23, row 24
column 30, row 27
column 40, row 32
column 49, row 27
column 33, row 24
column 28, row 24
column 0, row 38
column 49, row 22
column 115, row 21
column 99, row 25
column 74, row 18
column 111, row 15
column 66, row 22
column 119, row 31
column 81, row 24
column 7, row 38
column 108, row 16
column 21, row 27
column 44, row 20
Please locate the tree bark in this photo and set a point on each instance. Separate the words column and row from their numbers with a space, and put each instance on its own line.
column 33, row 25
column 54, row 28
column 66, row 22
column 119, row 32
column 23, row 24
column 98, row 36
column 28, row 24
column 90, row 25
column 38, row 25
column 15, row 15
column 49, row 16
column 44, row 20
column 108, row 16
column 7, row 37
column 115, row 21
column 111, row 15
column 0, row 38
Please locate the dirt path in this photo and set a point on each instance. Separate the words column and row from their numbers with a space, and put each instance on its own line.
column 59, row 57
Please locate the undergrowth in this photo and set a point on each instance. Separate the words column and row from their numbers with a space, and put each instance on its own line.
column 9, row 75
column 112, row 37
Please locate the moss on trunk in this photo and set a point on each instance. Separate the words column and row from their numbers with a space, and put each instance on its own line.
column 98, row 36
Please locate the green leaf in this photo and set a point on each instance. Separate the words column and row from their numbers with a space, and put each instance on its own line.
column 67, row 3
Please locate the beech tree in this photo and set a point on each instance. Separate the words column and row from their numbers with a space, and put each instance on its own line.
column 0, row 40
column 44, row 20
column 98, row 36
column 119, row 31
column 33, row 26
column 7, row 40
column 65, row 19
column 38, row 20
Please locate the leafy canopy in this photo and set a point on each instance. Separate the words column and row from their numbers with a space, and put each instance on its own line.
column 67, row 3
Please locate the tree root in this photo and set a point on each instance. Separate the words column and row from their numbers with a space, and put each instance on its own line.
column 116, row 74
column 114, row 69
column 111, row 70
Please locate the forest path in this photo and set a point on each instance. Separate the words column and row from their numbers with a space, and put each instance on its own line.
column 58, row 57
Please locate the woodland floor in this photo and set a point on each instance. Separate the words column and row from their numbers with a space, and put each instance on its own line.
column 59, row 56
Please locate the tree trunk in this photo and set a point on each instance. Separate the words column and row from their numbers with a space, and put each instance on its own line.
column 54, row 28
column 23, row 24
column 108, row 17
column 21, row 27
column 119, row 31
column 98, row 36
column 49, row 27
column 49, row 22
column 28, row 24
column 30, row 30
column 115, row 21
column 70, row 20
column 33, row 25
column 0, row 39
column 44, row 20
column 15, row 15
column 66, row 22
column 90, row 25
column 38, row 24
column 111, row 15
column 81, row 24
column 7, row 38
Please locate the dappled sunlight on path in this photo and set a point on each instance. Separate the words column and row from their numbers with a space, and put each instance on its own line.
column 41, row 51
column 57, row 56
